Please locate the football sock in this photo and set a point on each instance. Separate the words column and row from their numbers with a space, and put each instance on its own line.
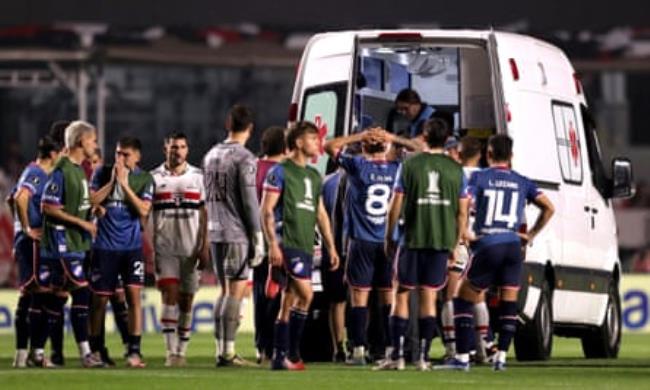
column 385, row 318
column 184, row 331
column 169, row 321
column 507, row 323
column 427, row 327
column 482, row 324
column 358, row 320
column 281, row 340
column 134, row 344
column 55, row 323
column 230, row 320
column 37, row 321
column 464, row 323
column 218, row 329
column 398, row 327
column 448, row 328
column 21, row 321
column 297, row 320
column 121, row 317
column 79, row 314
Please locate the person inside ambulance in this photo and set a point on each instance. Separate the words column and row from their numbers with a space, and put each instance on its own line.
column 409, row 105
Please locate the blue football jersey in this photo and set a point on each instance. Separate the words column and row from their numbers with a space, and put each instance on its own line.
column 32, row 179
column 370, row 186
column 119, row 228
column 500, row 197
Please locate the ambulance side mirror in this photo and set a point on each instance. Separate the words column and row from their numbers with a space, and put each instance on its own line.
column 622, row 184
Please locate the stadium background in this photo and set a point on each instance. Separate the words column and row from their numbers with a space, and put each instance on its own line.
column 145, row 69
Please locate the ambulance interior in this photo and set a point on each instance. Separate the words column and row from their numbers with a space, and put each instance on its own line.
column 454, row 79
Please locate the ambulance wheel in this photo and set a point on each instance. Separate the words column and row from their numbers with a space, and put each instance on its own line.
column 605, row 340
column 534, row 339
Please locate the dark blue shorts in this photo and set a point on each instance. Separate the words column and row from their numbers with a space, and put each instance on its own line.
column 334, row 284
column 368, row 267
column 26, row 254
column 108, row 267
column 423, row 268
column 298, row 263
column 497, row 265
column 65, row 272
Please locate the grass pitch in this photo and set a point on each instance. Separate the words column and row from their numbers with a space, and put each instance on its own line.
column 567, row 369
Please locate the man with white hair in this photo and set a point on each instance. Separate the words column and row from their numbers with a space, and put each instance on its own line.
column 68, row 231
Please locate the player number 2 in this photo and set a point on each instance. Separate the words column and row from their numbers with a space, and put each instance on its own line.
column 377, row 201
column 495, row 208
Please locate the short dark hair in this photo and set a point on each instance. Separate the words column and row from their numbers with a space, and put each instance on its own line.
column 298, row 130
column 470, row 147
column 46, row 145
column 446, row 116
column 408, row 95
column 130, row 142
column 175, row 135
column 273, row 141
column 241, row 117
column 501, row 147
column 57, row 132
column 436, row 132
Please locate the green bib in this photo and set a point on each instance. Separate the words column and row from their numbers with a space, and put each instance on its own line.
column 432, row 185
column 300, row 197
column 76, row 201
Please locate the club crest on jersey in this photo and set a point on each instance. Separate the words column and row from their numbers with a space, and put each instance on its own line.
column 297, row 266
column 77, row 269
column 35, row 180
column 52, row 187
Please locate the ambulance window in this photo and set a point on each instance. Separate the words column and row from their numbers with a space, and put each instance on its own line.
column 398, row 77
column 568, row 142
column 598, row 175
column 373, row 70
column 324, row 106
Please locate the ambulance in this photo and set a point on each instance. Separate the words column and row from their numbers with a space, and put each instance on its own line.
column 496, row 82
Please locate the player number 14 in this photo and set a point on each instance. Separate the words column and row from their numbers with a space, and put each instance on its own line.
column 495, row 208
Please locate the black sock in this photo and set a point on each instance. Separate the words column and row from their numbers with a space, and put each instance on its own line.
column 121, row 316
column 55, row 323
column 385, row 318
column 281, row 340
column 358, row 320
column 427, row 327
column 79, row 313
column 297, row 320
column 464, row 324
column 508, row 323
column 38, row 321
column 21, row 321
column 134, row 344
column 398, row 331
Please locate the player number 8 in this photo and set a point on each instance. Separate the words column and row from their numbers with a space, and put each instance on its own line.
column 377, row 201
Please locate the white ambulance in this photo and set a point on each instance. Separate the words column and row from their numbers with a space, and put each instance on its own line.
column 495, row 82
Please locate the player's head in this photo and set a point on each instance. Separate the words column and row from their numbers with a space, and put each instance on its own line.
column 274, row 141
column 408, row 103
column 470, row 150
column 435, row 133
column 57, row 132
column 47, row 149
column 452, row 148
column 303, row 137
column 240, row 119
column 127, row 151
column 176, row 148
column 499, row 149
column 96, row 160
column 81, row 135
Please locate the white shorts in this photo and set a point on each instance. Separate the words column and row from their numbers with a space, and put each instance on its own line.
column 180, row 270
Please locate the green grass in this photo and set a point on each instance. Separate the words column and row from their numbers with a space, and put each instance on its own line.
column 567, row 369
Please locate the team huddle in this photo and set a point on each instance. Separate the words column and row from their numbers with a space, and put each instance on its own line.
column 397, row 215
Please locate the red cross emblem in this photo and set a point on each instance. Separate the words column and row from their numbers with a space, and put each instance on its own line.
column 322, row 133
column 573, row 141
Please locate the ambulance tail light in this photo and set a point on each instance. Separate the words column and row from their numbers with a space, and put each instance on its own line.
column 400, row 36
column 293, row 112
column 578, row 84
column 514, row 69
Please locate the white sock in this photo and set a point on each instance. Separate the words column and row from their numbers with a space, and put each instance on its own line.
column 482, row 323
column 359, row 352
column 84, row 349
column 184, row 332
column 448, row 328
column 463, row 357
column 169, row 321
column 389, row 352
column 501, row 356
column 218, row 348
column 230, row 349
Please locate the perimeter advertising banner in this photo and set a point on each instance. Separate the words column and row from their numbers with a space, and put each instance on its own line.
column 635, row 295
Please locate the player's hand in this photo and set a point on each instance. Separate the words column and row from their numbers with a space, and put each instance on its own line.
column 526, row 238
column 99, row 211
column 90, row 228
column 334, row 260
column 203, row 258
column 275, row 255
column 121, row 173
column 34, row 233
column 258, row 250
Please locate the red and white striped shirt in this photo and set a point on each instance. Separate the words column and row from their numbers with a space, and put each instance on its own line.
column 177, row 204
